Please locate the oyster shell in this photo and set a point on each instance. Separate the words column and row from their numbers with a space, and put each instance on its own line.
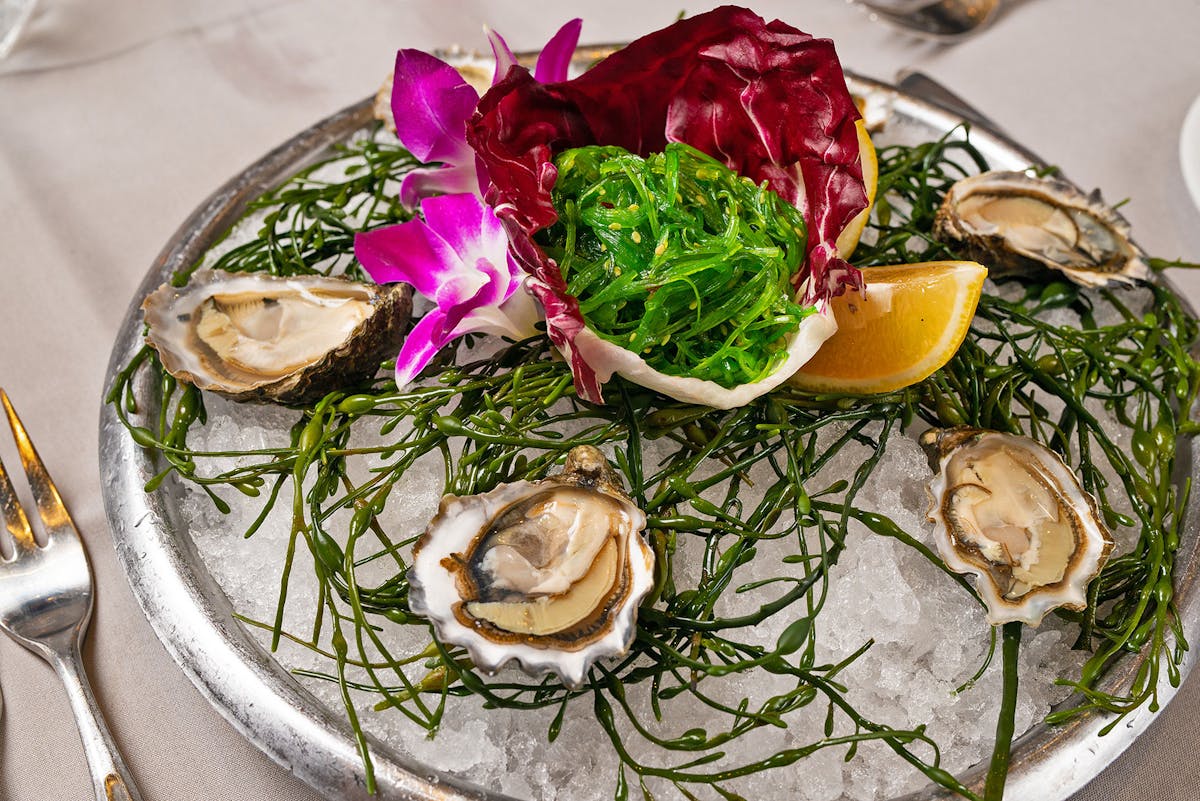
column 254, row 336
column 1010, row 512
column 1015, row 223
column 548, row 573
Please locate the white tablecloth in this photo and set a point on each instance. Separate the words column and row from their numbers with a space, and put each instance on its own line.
column 118, row 118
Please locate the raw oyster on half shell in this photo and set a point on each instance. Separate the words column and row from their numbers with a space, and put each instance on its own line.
column 547, row 573
column 1011, row 512
column 1015, row 223
column 253, row 336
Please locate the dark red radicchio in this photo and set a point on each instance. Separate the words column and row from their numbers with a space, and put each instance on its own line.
column 767, row 99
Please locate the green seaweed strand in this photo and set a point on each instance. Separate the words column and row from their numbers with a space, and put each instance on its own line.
column 678, row 258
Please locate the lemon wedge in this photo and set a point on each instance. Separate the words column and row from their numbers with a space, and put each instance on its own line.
column 848, row 240
column 910, row 322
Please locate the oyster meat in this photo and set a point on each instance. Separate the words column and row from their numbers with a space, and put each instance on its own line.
column 254, row 336
column 547, row 573
column 1015, row 223
column 1010, row 512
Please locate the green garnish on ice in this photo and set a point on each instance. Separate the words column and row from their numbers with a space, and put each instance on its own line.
column 680, row 259
column 501, row 419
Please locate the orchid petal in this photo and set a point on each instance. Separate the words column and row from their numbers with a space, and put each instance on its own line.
column 426, row 339
column 431, row 103
column 505, row 59
column 487, row 321
column 496, row 283
column 463, row 296
column 522, row 312
column 408, row 252
column 447, row 179
column 457, row 257
column 468, row 226
column 555, row 59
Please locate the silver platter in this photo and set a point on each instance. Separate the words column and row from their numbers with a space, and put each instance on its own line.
column 194, row 619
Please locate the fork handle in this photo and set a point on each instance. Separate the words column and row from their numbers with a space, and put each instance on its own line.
column 110, row 777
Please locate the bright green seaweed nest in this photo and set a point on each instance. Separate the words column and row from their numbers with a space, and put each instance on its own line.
column 680, row 259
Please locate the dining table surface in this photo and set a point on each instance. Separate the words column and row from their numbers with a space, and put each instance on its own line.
column 118, row 118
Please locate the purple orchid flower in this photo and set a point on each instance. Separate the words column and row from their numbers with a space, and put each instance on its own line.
column 458, row 258
column 431, row 103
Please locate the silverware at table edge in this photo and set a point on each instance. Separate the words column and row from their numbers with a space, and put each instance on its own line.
column 919, row 85
column 942, row 20
column 46, row 604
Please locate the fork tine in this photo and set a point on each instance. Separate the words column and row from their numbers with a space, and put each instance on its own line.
column 49, row 503
column 14, row 515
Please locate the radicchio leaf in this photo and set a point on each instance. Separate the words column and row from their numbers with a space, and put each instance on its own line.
column 765, row 98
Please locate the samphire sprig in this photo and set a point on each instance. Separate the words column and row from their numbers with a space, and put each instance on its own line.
column 1125, row 353
column 1113, row 354
column 308, row 224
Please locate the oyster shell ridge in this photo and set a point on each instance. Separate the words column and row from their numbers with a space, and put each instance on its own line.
column 433, row 594
column 1094, row 548
column 993, row 250
column 357, row 358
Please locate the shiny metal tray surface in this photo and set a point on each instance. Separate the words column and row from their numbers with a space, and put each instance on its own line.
column 194, row 619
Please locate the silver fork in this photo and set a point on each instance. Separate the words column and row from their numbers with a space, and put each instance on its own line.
column 46, row 603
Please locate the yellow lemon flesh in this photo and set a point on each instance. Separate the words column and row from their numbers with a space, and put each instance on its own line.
column 848, row 240
column 910, row 322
